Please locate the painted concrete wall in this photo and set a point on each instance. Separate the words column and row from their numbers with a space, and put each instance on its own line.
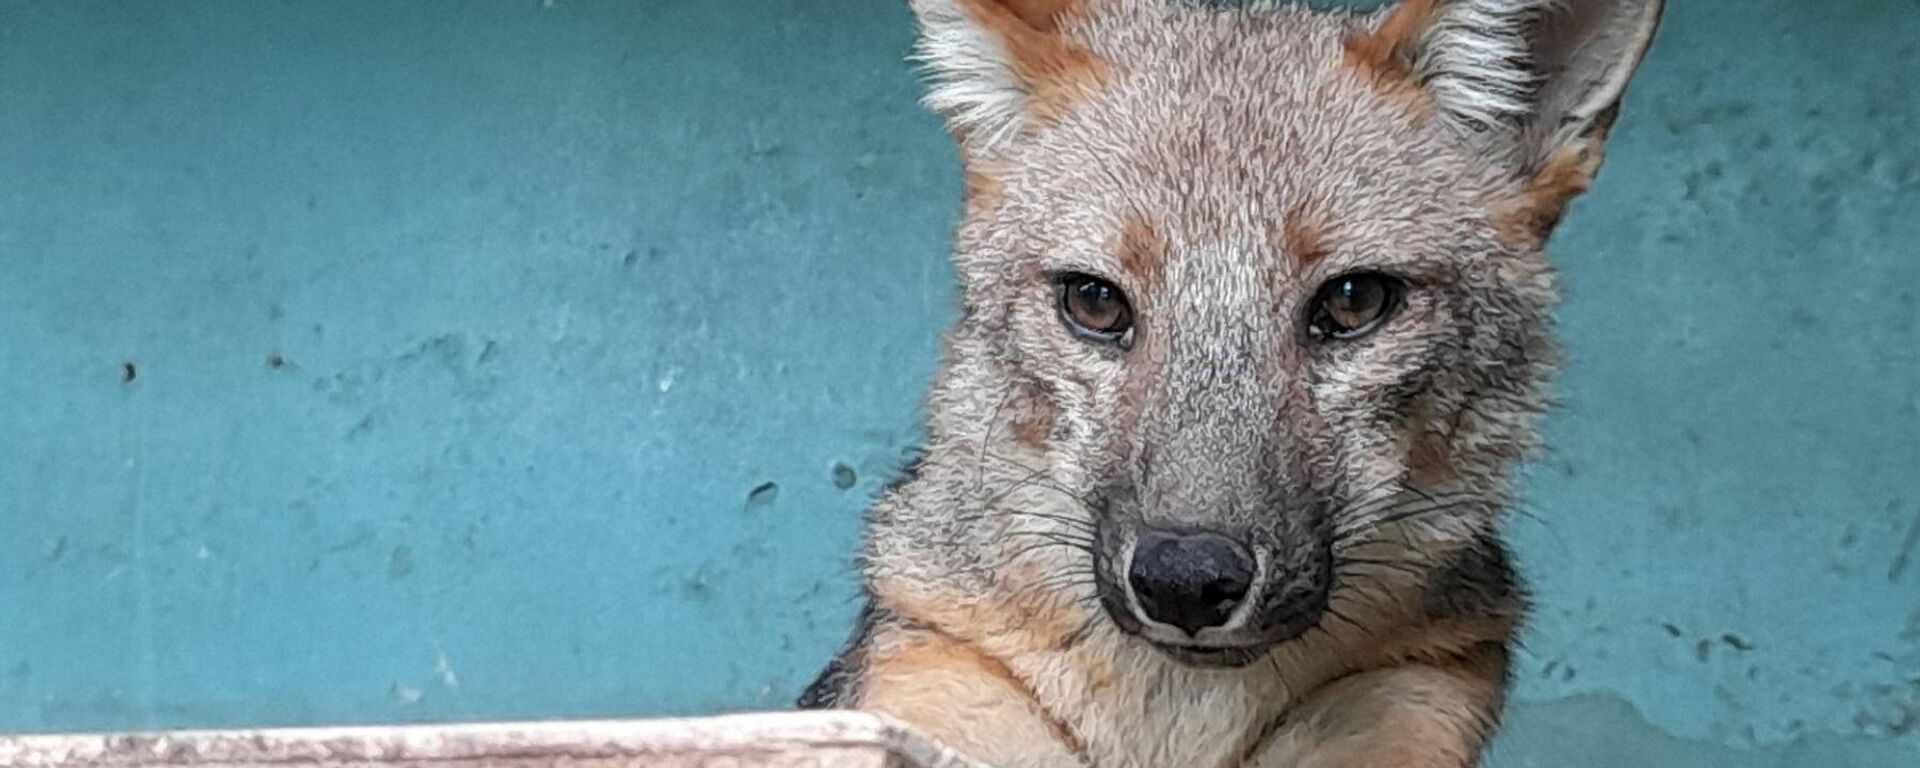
column 375, row 361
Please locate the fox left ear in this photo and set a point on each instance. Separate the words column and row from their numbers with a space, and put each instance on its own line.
column 996, row 65
column 1535, row 84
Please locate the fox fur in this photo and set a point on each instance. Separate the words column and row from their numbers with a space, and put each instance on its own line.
column 1218, row 165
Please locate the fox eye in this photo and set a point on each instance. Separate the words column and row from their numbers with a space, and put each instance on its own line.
column 1094, row 308
column 1352, row 306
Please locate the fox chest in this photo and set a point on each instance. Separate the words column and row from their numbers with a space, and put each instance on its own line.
column 1168, row 719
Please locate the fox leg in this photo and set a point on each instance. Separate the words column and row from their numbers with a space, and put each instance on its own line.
column 1411, row 716
column 966, row 699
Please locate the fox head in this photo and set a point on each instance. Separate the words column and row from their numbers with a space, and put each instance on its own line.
column 1255, row 306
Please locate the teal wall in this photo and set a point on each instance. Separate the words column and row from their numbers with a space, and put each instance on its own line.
column 394, row 361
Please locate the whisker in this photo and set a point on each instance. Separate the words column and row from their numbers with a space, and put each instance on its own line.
column 1395, row 565
column 1392, row 515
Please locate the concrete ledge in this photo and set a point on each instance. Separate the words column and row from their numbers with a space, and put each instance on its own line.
column 771, row 740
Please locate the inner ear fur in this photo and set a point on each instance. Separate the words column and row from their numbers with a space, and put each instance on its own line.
column 1533, row 85
column 996, row 67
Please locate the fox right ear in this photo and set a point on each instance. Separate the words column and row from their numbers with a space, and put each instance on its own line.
column 1557, row 65
column 995, row 66
column 1534, row 84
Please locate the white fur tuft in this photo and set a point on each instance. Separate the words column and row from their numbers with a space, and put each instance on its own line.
column 1474, row 61
column 970, row 74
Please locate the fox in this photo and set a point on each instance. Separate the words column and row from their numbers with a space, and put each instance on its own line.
column 1254, row 328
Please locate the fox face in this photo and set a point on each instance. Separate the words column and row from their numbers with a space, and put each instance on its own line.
column 1255, row 305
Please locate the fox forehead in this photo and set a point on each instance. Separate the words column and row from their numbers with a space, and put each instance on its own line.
column 1233, row 131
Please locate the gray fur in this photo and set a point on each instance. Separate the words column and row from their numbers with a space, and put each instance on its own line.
column 1220, row 129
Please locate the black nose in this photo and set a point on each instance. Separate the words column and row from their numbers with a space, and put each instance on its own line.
column 1191, row 581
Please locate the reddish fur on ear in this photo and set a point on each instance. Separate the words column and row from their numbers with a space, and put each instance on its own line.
column 1053, row 68
column 1387, row 51
column 1566, row 173
column 1042, row 15
column 1384, row 56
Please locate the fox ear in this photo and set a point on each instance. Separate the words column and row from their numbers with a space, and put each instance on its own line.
column 1535, row 79
column 995, row 65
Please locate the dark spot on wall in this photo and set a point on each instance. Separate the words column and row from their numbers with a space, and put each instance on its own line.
column 1672, row 631
column 843, row 476
column 400, row 563
column 404, row 694
column 763, row 494
column 57, row 550
column 276, row 361
column 697, row 585
column 1699, row 180
column 1736, row 642
column 360, row 538
column 632, row 258
column 1702, row 650
column 1898, row 567
column 1890, row 710
column 751, row 551
column 1803, row 319
column 1706, row 114
column 128, row 373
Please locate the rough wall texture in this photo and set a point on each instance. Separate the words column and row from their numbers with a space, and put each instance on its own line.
column 367, row 361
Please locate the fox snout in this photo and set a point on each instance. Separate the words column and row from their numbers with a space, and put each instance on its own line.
column 1215, row 598
column 1189, row 581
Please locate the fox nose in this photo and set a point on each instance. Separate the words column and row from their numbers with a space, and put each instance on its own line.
column 1191, row 581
